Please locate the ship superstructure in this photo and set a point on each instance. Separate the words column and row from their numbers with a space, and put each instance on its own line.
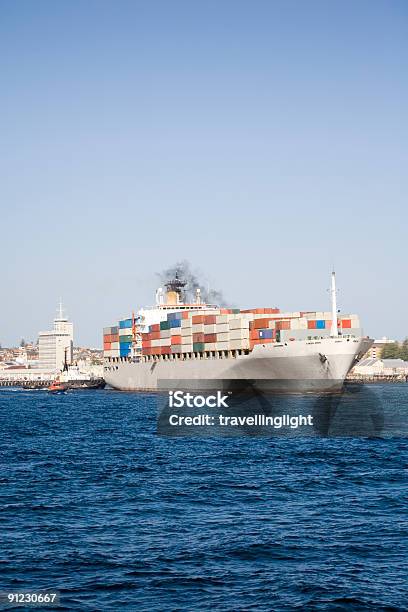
column 175, row 339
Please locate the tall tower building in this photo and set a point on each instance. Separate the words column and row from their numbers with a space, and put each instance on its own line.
column 54, row 344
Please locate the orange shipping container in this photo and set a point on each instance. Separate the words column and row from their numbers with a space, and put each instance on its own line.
column 185, row 315
column 254, row 334
column 199, row 337
column 346, row 323
column 155, row 335
column 311, row 324
column 176, row 339
column 106, row 346
column 261, row 323
column 155, row 327
column 146, row 343
column 197, row 319
column 165, row 350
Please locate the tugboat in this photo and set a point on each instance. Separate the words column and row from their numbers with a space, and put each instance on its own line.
column 73, row 378
column 57, row 386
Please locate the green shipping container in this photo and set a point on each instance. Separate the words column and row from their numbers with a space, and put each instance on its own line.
column 198, row 347
column 235, row 311
column 164, row 324
column 123, row 339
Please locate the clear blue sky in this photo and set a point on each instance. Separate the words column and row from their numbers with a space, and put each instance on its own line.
column 263, row 141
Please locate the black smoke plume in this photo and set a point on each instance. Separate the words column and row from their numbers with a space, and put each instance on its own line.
column 194, row 282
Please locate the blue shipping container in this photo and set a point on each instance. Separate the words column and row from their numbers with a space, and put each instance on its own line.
column 125, row 323
column 174, row 316
column 124, row 352
column 175, row 323
column 320, row 324
column 266, row 333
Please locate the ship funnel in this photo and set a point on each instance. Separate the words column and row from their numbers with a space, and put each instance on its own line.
column 333, row 331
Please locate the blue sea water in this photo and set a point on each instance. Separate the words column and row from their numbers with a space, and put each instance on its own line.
column 96, row 505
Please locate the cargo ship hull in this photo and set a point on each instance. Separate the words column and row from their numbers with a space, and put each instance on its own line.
column 300, row 366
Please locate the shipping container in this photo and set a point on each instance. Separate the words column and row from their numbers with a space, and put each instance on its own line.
column 175, row 340
column 175, row 323
column 266, row 334
column 210, row 319
column 165, row 350
column 198, row 347
column 186, row 323
column 243, row 343
column 199, row 337
column 223, row 337
column 176, row 348
column 125, row 323
column 187, row 348
column 164, row 325
column 198, row 328
column 174, row 316
column 210, row 346
column 346, row 323
column 125, row 339
column 222, row 346
column 311, row 324
column 197, row 319
column 237, row 334
column 320, row 324
column 210, row 338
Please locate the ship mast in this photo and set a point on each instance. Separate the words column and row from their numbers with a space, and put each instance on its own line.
column 333, row 331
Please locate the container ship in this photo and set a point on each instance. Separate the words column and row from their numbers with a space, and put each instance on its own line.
column 180, row 341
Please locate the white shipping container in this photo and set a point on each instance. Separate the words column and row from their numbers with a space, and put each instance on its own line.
column 223, row 337
column 186, row 348
column 165, row 342
column 221, row 328
column 239, row 344
column 239, row 323
column 222, row 346
column 210, row 346
column 198, row 328
column 115, row 346
column 186, row 332
column 155, row 342
column 186, row 322
column 238, row 334
column 223, row 318
column 125, row 332
column 165, row 333
column 210, row 329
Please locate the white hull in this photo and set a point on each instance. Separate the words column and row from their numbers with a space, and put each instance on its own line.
column 319, row 365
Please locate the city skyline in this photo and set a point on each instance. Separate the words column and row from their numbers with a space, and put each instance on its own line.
column 264, row 143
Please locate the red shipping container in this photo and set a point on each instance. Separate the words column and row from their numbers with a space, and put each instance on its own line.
column 115, row 338
column 107, row 338
column 199, row 337
column 185, row 315
column 176, row 339
column 209, row 338
column 346, row 323
column 146, row 350
column 154, row 335
column 106, row 346
column 254, row 334
column 283, row 324
column 146, row 343
column 165, row 350
column 197, row 319
column 209, row 319
column 155, row 327
column 225, row 311
column 261, row 323
column 311, row 324
column 272, row 310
